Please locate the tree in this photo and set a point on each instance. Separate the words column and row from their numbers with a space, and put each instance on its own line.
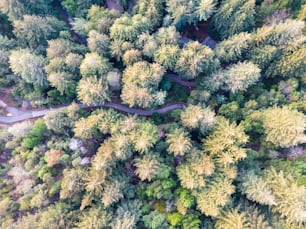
column 257, row 189
column 205, row 9
column 131, row 56
column 147, row 43
column 195, row 59
column 63, row 82
column 144, row 136
column 167, row 36
column 95, row 217
column 140, row 85
column 98, row 43
column 226, row 141
column 182, row 12
column 93, row 91
column 78, row 8
column 233, row 48
column 36, row 30
column 232, row 220
column 147, row 167
column 20, row 130
column 123, row 220
column 197, row 117
column 28, row 66
column 94, row 65
column 289, row 65
column 216, row 195
column 127, row 28
column 15, row 9
column 240, row 76
column 119, row 47
column 112, row 193
column 263, row 56
column 52, row 157
column 155, row 220
column 189, row 178
column 167, row 56
column 151, row 9
column 279, row 34
column 179, row 142
column 236, row 16
column 284, row 127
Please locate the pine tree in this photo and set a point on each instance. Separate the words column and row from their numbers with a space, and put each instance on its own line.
column 95, row 217
column 216, row 195
column 98, row 43
column 112, row 193
column 131, row 56
column 179, row 142
column 205, row 9
column 146, row 167
column 29, row 66
column 195, row 59
column 167, row 36
column 226, row 141
column 232, row 220
column 240, row 76
column 284, row 127
column 236, row 16
column 197, row 117
column 189, row 178
column 233, row 48
column 127, row 28
column 93, row 91
column 167, row 56
column 94, row 65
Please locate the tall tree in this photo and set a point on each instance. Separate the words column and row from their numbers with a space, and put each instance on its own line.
column 236, row 16
column 167, row 56
column 195, row 59
column 179, row 142
column 35, row 30
column 284, row 127
column 147, row 167
column 93, row 91
column 94, row 65
column 28, row 66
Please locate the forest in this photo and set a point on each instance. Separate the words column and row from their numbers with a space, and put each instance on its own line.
column 153, row 114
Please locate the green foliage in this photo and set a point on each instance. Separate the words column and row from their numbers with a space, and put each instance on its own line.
column 28, row 66
column 284, row 127
column 236, row 16
column 93, row 91
column 127, row 28
column 195, row 59
column 36, row 135
column 95, row 217
column 179, row 142
column 232, row 220
column 140, row 85
column 233, row 48
column 167, row 56
column 155, row 220
column 146, row 167
column 94, row 65
column 174, row 219
column 78, row 8
column 36, row 30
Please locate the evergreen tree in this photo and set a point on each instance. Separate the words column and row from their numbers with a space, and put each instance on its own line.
column 195, row 59
column 232, row 220
column 226, row 141
column 167, row 56
column 284, row 127
column 197, row 117
column 240, row 76
column 94, row 65
column 36, row 30
column 28, row 66
column 233, row 48
column 93, row 91
column 179, row 142
column 167, row 36
column 205, row 9
column 147, row 167
column 127, row 28
column 236, row 16
column 95, row 217
column 189, row 178
column 98, row 43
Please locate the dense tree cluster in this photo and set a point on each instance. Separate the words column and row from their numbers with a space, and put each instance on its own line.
column 233, row 156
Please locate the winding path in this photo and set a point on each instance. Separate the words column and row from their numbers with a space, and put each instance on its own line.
column 25, row 115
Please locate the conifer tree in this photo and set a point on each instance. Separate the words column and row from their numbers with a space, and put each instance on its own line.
column 167, row 56
column 284, row 127
column 93, row 91
column 232, row 220
column 147, row 167
column 236, row 16
column 195, row 59
column 179, row 142
column 94, row 65
column 233, row 48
